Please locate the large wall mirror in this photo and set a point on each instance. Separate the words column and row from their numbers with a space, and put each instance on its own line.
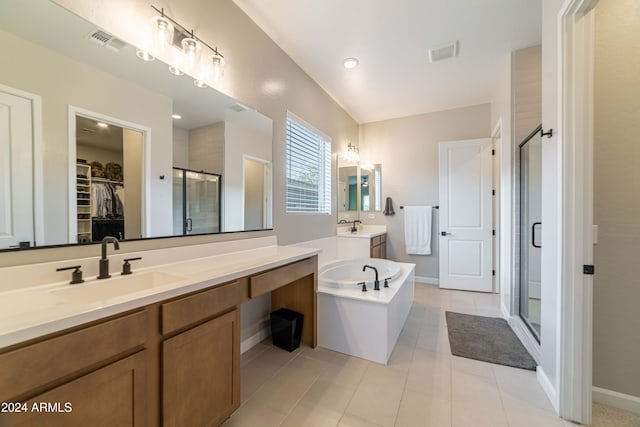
column 359, row 189
column 95, row 141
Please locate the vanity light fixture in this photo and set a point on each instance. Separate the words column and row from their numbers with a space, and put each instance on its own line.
column 352, row 154
column 102, row 125
column 350, row 63
column 184, row 50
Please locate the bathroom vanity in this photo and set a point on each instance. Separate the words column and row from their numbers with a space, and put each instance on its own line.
column 369, row 239
column 165, row 356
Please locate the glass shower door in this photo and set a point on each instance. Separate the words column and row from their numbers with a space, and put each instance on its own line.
column 530, row 231
column 196, row 198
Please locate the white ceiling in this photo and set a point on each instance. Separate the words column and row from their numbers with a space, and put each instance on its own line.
column 391, row 40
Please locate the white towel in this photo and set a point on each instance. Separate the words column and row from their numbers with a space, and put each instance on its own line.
column 417, row 229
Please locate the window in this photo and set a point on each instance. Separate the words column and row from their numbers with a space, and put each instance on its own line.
column 308, row 168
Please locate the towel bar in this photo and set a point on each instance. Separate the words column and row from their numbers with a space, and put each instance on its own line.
column 435, row 207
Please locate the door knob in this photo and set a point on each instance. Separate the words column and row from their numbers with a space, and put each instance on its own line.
column 444, row 233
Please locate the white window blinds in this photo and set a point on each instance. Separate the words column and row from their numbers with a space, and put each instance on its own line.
column 308, row 169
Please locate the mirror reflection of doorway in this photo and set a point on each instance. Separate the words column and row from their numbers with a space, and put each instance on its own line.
column 256, row 193
column 530, row 175
column 109, row 180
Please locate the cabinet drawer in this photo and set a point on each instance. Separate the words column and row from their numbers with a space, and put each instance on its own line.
column 383, row 238
column 191, row 309
column 375, row 241
column 45, row 362
column 271, row 280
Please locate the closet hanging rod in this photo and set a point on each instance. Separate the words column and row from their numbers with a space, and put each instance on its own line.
column 108, row 181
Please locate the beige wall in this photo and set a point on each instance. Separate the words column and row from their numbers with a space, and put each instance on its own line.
column 206, row 148
column 527, row 91
column 408, row 150
column 616, row 322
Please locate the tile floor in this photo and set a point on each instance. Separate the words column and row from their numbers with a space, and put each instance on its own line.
column 423, row 385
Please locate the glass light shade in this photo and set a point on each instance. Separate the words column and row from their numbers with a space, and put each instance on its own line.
column 162, row 30
column 191, row 51
column 215, row 67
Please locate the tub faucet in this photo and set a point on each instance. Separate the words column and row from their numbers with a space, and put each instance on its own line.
column 104, row 261
column 354, row 228
column 376, row 284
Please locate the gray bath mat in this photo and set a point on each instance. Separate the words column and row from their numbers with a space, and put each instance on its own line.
column 489, row 339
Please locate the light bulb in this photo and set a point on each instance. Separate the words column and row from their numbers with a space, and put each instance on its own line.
column 162, row 30
column 191, row 52
column 216, row 67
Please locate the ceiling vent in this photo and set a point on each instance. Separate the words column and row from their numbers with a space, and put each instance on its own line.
column 106, row 40
column 238, row 107
column 445, row 51
column 89, row 131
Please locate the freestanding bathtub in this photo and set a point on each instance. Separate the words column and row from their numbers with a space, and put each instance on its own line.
column 363, row 324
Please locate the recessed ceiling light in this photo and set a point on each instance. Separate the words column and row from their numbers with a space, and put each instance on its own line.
column 103, row 125
column 350, row 63
column 176, row 116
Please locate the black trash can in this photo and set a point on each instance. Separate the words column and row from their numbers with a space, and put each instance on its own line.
column 286, row 328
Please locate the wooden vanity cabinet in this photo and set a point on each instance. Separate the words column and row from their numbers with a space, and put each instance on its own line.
column 379, row 247
column 172, row 363
column 95, row 375
column 201, row 365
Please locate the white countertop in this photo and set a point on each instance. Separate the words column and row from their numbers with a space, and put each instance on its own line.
column 364, row 231
column 31, row 312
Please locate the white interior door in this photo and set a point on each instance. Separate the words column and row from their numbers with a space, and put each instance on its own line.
column 16, row 171
column 466, row 230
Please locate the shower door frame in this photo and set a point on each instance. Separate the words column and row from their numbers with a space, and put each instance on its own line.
column 535, row 334
column 184, row 199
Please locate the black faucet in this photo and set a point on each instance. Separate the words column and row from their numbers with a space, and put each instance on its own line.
column 376, row 284
column 104, row 261
column 354, row 229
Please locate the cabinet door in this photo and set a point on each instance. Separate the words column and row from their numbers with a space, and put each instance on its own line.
column 111, row 396
column 201, row 373
column 375, row 252
column 383, row 250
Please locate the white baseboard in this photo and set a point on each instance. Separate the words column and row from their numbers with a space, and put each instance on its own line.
column 429, row 280
column 255, row 339
column 525, row 336
column 548, row 388
column 505, row 312
column 617, row 400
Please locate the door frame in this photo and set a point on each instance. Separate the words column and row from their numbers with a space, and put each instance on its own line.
column 576, row 30
column 37, row 161
column 146, row 161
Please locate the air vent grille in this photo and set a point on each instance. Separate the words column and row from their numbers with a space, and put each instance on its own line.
column 106, row 40
column 445, row 51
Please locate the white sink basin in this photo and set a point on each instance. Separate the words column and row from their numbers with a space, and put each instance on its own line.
column 99, row 290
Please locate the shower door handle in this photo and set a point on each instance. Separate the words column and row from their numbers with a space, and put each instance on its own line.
column 189, row 224
column 533, row 235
